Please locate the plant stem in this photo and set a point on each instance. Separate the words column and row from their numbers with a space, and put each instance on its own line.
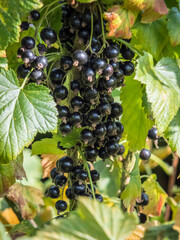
column 26, row 79
column 128, row 45
column 102, row 26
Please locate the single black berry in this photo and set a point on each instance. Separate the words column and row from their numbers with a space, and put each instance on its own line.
column 35, row 15
column 121, row 150
column 87, row 135
column 60, row 180
column 28, row 43
column 90, row 153
column 57, row 76
column 95, row 175
column 60, row 92
column 145, row 154
column 76, row 103
column 48, row 35
column 128, row 68
column 78, row 189
column 53, row 173
column 116, row 110
column 22, row 71
column 40, row 62
column 144, row 200
column 66, row 63
column 24, row 26
column 69, row 193
column 61, row 205
column 65, row 164
column 80, row 58
column 53, row 192
column 65, row 128
column 153, row 133
column 99, row 197
column 82, row 175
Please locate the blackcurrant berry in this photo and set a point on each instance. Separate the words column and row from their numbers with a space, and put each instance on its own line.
column 112, row 52
column 116, row 110
column 66, row 63
column 75, row 22
column 35, row 15
column 65, row 35
column 37, row 75
column 40, row 62
column 53, row 173
column 41, row 48
column 83, row 34
column 60, row 180
column 28, row 43
column 22, row 71
column 80, row 58
column 65, row 128
column 99, row 198
column 144, row 200
column 90, row 93
column 112, row 147
column 110, row 84
column 108, row 71
column 111, row 128
column 145, row 154
column 48, row 35
column 104, row 108
column 86, row 135
column 77, row 169
column 69, row 193
column 86, row 17
column 88, row 74
column 119, row 128
column 65, row 164
column 82, row 175
column 95, row 176
column 152, row 133
column 79, row 189
column 94, row 116
column 128, row 68
column 20, row 52
column 53, row 192
column 103, row 154
column 75, row 86
column 28, row 57
column 64, row 112
column 57, row 76
column 61, row 205
column 90, row 153
column 119, row 74
column 121, row 150
column 99, row 64
column 115, row 65
column 100, row 130
column 76, row 103
column 127, row 53
column 60, row 92
column 75, row 119
column 24, row 26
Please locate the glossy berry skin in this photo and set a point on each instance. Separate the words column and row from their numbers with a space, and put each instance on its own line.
column 53, row 192
column 121, row 150
column 99, row 198
column 60, row 180
column 119, row 74
column 41, row 62
column 82, row 175
column 75, row 86
column 28, row 56
column 100, row 130
column 116, row 110
column 145, row 154
column 111, row 52
column 88, row 74
column 115, row 65
column 110, row 84
column 61, row 206
column 144, row 200
column 66, row 63
column 35, row 15
column 99, row 64
column 48, row 35
column 20, row 52
column 119, row 128
column 76, row 23
column 90, row 153
column 90, row 93
column 86, row 17
column 65, row 164
column 111, row 128
column 112, row 147
column 79, row 189
column 77, row 103
column 128, row 68
column 87, row 135
column 28, row 43
column 60, row 92
column 103, row 154
column 96, row 47
column 37, row 75
column 69, row 193
column 105, row 108
column 22, row 71
column 77, row 169
column 63, row 112
column 65, row 128
column 57, row 76
column 24, row 26
column 108, row 71
column 83, row 34
column 75, row 119
column 95, row 175
column 153, row 133
column 80, row 58
column 41, row 48
column 53, row 173
column 94, row 116
column 127, row 53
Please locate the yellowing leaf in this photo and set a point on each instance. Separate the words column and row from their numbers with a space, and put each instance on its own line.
column 157, row 196
column 48, row 163
column 152, row 9
column 120, row 21
column 27, row 198
column 177, row 222
column 8, row 217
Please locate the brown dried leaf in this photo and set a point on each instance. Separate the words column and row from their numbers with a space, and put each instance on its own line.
column 27, row 198
column 48, row 163
column 120, row 21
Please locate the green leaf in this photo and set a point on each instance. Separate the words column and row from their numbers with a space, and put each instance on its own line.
column 91, row 220
column 134, row 118
column 23, row 113
column 46, row 146
column 23, row 228
column 133, row 188
column 173, row 133
column 157, row 196
column 11, row 13
column 147, row 39
column 164, row 231
column 120, row 21
column 173, row 26
column 3, row 234
column 109, row 182
column 70, row 140
column 86, row 1
column 27, row 198
column 3, row 62
column 162, row 87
